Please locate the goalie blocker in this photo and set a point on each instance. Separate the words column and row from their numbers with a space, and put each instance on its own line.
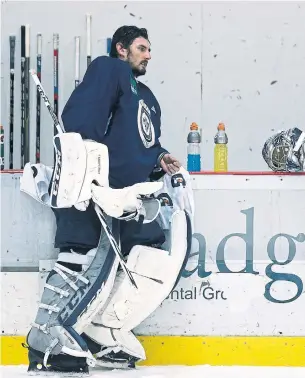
column 89, row 308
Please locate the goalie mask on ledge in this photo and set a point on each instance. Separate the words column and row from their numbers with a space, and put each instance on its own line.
column 285, row 151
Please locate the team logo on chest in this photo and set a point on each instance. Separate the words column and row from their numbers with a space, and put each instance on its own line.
column 145, row 126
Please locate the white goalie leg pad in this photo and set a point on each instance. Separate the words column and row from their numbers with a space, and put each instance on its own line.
column 71, row 299
column 115, row 340
column 98, row 302
column 102, row 295
column 155, row 272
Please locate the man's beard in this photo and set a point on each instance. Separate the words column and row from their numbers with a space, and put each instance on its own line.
column 135, row 69
column 138, row 72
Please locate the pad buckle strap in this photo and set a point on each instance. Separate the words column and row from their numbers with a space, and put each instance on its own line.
column 42, row 328
column 72, row 273
column 57, row 269
column 49, row 308
column 62, row 293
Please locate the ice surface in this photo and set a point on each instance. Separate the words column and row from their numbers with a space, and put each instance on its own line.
column 177, row 372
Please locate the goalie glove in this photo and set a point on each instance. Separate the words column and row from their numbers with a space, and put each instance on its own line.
column 119, row 202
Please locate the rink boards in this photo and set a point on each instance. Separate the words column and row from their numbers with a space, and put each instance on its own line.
column 240, row 300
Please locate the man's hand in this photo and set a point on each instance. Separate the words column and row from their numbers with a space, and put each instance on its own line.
column 170, row 164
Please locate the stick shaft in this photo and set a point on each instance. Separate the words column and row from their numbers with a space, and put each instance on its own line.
column 12, row 40
column 47, row 103
column 38, row 98
column 55, row 70
column 77, row 58
column 22, row 99
column 27, row 96
column 88, row 24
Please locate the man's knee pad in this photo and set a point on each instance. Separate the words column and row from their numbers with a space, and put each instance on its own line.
column 71, row 299
column 156, row 272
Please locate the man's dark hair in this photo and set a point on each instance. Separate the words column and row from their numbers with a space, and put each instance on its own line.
column 126, row 35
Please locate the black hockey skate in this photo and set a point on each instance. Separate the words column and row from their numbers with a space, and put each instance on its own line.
column 62, row 363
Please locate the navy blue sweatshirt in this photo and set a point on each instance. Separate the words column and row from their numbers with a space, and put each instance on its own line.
column 110, row 107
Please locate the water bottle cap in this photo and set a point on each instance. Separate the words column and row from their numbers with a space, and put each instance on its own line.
column 221, row 126
column 194, row 126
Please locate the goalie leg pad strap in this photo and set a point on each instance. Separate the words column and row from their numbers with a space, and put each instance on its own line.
column 155, row 272
column 71, row 299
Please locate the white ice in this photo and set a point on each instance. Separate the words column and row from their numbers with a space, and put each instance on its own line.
column 203, row 371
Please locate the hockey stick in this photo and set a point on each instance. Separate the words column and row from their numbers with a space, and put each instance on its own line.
column 114, row 244
column 99, row 212
column 77, row 53
column 39, row 52
column 55, row 72
column 12, row 79
column 42, row 92
column 55, row 78
column 22, row 94
column 27, row 96
column 88, row 22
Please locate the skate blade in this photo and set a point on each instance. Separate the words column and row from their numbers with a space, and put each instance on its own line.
column 54, row 374
column 113, row 365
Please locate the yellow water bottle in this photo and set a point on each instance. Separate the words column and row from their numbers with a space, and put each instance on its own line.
column 221, row 149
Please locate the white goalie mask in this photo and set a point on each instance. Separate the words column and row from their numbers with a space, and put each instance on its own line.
column 285, row 151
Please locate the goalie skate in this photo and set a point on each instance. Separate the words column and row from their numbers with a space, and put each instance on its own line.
column 63, row 364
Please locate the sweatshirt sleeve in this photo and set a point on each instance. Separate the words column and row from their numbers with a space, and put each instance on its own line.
column 161, row 150
column 89, row 107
